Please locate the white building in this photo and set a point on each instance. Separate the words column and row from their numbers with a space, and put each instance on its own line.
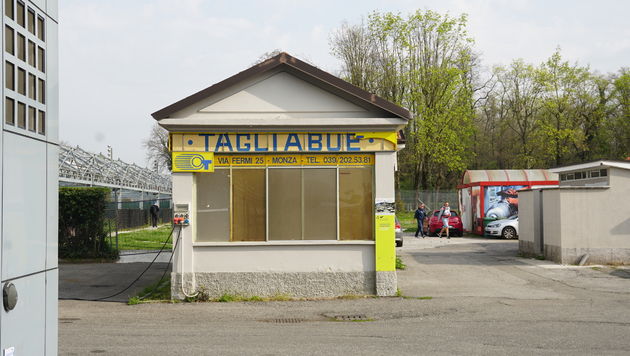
column 587, row 215
column 286, row 174
column 29, row 165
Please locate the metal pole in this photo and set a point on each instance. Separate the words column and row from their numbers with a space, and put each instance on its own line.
column 116, row 205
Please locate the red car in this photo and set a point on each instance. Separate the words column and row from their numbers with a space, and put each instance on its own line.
column 455, row 223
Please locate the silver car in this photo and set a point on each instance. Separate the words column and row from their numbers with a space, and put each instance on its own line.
column 506, row 228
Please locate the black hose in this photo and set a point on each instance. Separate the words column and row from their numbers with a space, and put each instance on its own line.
column 135, row 280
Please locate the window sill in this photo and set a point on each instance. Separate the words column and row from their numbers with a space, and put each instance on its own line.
column 284, row 243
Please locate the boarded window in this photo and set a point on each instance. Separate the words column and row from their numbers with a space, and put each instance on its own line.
column 248, row 205
column 320, row 203
column 285, row 204
column 213, row 206
column 356, row 217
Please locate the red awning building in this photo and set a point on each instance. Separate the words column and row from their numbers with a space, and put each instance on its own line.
column 493, row 194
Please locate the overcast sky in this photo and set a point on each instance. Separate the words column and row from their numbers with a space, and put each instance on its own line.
column 121, row 60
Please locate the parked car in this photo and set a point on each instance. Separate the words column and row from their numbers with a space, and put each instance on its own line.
column 455, row 223
column 399, row 234
column 506, row 228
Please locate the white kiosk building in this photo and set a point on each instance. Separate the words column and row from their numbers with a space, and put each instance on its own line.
column 29, row 165
column 285, row 174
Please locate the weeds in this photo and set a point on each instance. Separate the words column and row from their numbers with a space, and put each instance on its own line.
column 400, row 264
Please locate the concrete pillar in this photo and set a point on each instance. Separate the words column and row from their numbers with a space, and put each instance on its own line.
column 385, row 239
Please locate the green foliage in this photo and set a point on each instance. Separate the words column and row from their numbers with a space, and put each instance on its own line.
column 423, row 62
column 160, row 290
column 400, row 264
column 407, row 222
column 520, row 116
column 225, row 298
column 81, row 223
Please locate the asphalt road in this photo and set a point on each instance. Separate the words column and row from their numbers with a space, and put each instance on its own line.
column 484, row 300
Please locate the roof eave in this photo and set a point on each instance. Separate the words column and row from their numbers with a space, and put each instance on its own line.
column 309, row 71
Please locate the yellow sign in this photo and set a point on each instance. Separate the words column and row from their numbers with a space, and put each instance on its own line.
column 259, row 143
column 247, row 160
column 385, row 243
column 193, row 162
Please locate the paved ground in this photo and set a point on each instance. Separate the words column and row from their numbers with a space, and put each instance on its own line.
column 485, row 300
column 99, row 280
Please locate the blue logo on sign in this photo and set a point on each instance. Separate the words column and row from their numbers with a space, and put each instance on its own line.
column 192, row 162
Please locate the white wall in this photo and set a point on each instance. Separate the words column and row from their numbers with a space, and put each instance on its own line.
column 553, row 222
column 595, row 218
column 183, row 194
column 526, row 217
column 384, row 163
column 277, row 258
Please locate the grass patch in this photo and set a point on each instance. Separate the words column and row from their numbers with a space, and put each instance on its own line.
column 418, row 298
column 149, row 239
column 540, row 257
column 399, row 263
column 597, row 268
column 226, row 298
column 407, row 222
column 161, row 290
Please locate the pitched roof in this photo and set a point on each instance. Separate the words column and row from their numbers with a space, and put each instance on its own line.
column 303, row 70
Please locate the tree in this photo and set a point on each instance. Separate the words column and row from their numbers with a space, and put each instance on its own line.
column 620, row 124
column 158, row 151
column 559, row 112
column 520, row 93
column 424, row 62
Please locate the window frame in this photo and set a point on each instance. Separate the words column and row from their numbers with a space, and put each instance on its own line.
column 267, row 240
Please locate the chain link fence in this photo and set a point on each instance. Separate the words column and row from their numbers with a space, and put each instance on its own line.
column 433, row 199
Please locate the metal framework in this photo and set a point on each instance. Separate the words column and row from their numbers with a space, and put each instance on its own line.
column 81, row 167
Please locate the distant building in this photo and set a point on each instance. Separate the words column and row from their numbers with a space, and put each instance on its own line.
column 30, row 146
column 492, row 194
column 588, row 215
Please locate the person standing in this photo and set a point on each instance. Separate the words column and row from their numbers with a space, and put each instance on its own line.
column 420, row 215
column 154, row 210
column 445, row 213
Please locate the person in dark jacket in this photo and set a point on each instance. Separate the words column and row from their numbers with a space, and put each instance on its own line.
column 154, row 210
column 420, row 215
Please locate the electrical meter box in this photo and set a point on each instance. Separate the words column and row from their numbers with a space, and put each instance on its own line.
column 181, row 214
